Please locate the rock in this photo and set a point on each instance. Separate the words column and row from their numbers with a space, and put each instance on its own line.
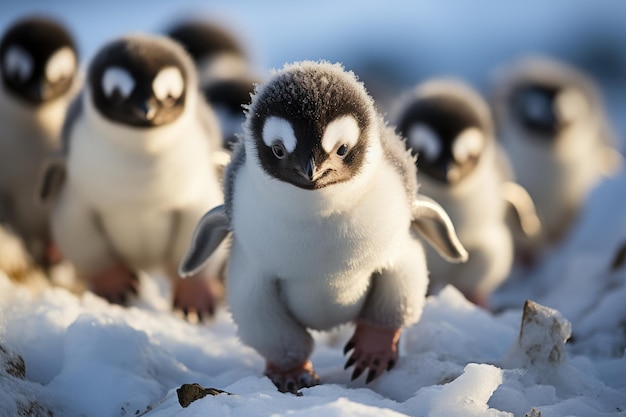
column 12, row 364
column 542, row 337
column 189, row 393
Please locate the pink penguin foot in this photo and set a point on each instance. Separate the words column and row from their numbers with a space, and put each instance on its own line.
column 293, row 379
column 196, row 296
column 375, row 348
column 115, row 283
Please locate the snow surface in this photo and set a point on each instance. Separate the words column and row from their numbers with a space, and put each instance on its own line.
column 85, row 357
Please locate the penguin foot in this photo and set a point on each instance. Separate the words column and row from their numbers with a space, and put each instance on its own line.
column 196, row 297
column 375, row 348
column 115, row 283
column 292, row 380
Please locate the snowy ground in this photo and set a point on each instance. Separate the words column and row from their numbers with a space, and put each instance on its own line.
column 64, row 354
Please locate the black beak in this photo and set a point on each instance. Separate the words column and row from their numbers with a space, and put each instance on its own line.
column 310, row 169
column 147, row 110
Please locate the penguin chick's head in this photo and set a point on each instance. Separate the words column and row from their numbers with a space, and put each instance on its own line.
column 141, row 81
column 447, row 124
column 310, row 125
column 204, row 39
column 38, row 60
column 546, row 98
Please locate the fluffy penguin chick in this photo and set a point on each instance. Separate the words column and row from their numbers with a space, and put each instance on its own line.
column 448, row 125
column 551, row 122
column 226, row 75
column 137, row 173
column 38, row 78
column 321, row 199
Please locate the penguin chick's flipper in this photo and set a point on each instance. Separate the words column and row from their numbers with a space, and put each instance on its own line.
column 211, row 230
column 375, row 348
column 432, row 222
column 51, row 179
column 521, row 210
column 292, row 380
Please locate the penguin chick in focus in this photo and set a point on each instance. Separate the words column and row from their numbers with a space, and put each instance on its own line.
column 449, row 126
column 136, row 174
column 321, row 199
column 38, row 79
column 226, row 74
column 550, row 120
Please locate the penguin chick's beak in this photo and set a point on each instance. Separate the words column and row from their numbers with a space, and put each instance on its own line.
column 309, row 173
column 147, row 110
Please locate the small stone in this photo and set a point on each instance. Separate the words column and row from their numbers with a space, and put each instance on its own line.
column 189, row 393
column 12, row 363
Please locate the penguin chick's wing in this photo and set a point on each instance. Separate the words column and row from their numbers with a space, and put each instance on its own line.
column 431, row 221
column 521, row 211
column 51, row 179
column 211, row 230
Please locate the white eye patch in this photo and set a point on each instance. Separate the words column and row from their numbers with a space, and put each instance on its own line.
column 424, row 141
column 570, row 104
column 468, row 144
column 343, row 130
column 18, row 62
column 61, row 65
column 278, row 129
column 168, row 83
column 116, row 78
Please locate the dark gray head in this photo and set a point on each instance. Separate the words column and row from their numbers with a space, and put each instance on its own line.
column 446, row 124
column 203, row 39
column 228, row 97
column 141, row 81
column 311, row 125
column 38, row 59
column 545, row 97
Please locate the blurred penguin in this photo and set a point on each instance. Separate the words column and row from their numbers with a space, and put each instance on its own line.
column 450, row 128
column 136, row 176
column 553, row 126
column 38, row 79
column 227, row 76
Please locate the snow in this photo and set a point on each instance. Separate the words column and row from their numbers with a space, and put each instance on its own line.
column 84, row 357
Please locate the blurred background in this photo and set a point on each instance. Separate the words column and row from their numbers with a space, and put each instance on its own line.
column 390, row 44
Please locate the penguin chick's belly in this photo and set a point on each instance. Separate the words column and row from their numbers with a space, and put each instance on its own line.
column 324, row 302
column 141, row 238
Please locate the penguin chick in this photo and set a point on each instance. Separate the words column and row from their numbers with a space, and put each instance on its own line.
column 449, row 126
column 38, row 79
column 136, row 175
column 216, row 50
column 321, row 199
column 227, row 77
column 551, row 122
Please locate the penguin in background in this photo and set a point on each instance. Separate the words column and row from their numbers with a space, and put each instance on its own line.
column 135, row 175
column 227, row 76
column 448, row 125
column 38, row 79
column 551, row 122
column 322, row 204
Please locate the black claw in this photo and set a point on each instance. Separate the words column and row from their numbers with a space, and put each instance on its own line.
column 371, row 375
column 349, row 346
column 357, row 373
column 200, row 317
column 134, row 290
column 186, row 311
column 122, row 299
column 391, row 364
column 291, row 387
column 349, row 362
column 375, row 362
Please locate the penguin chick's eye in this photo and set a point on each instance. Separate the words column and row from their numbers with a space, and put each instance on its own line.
column 424, row 141
column 61, row 65
column 168, row 84
column 468, row 144
column 278, row 133
column 116, row 79
column 340, row 135
column 278, row 149
column 18, row 63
